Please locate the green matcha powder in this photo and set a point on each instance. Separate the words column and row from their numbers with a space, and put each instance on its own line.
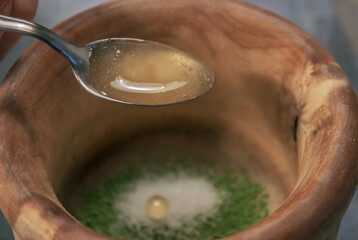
column 242, row 203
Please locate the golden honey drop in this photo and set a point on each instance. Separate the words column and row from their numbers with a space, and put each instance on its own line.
column 157, row 208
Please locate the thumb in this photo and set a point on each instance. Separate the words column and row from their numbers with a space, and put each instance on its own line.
column 5, row 9
column 24, row 9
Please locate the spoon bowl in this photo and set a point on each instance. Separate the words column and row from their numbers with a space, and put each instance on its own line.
column 124, row 70
column 140, row 72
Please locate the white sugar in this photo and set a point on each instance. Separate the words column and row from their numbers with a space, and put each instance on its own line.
column 188, row 196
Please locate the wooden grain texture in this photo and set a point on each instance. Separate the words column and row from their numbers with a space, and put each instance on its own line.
column 280, row 98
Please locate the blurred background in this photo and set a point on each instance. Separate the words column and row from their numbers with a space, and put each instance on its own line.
column 331, row 22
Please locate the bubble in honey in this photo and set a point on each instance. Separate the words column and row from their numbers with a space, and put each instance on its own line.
column 147, row 73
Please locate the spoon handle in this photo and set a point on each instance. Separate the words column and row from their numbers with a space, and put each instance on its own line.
column 70, row 51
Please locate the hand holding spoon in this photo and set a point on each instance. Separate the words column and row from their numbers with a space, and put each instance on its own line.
column 124, row 70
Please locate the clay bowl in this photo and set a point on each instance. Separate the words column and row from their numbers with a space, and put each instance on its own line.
column 282, row 108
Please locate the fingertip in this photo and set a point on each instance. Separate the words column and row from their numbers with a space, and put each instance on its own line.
column 25, row 9
column 5, row 7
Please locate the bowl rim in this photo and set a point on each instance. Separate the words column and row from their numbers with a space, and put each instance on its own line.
column 336, row 183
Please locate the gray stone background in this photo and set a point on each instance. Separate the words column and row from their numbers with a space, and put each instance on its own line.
column 316, row 17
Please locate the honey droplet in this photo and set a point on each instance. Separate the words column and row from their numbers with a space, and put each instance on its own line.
column 157, row 208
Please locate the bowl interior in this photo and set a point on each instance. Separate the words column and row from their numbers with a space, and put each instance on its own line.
column 249, row 117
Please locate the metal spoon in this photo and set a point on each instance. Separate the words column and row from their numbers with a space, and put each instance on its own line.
column 85, row 60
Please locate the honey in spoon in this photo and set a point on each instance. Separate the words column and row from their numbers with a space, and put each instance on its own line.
column 147, row 73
